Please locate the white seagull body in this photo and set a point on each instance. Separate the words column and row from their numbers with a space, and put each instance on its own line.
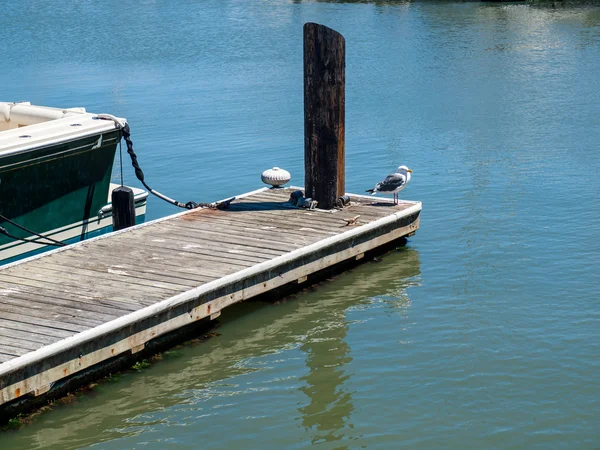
column 393, row 183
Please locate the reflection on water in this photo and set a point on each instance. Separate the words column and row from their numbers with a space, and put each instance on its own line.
column 327, row 352
column 330, row 403
column 210, row 379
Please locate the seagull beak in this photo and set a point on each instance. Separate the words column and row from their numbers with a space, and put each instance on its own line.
column 408, row 170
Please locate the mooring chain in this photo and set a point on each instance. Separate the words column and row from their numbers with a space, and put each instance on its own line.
column 124, row 127
column 140, row 174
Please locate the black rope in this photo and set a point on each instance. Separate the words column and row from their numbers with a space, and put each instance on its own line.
column 121, row 161
column 35, row 241
column 140, row 174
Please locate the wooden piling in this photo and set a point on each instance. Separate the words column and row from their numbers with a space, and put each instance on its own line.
column 324, row 114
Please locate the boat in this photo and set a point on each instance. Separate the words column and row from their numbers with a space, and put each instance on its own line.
column 55, row 177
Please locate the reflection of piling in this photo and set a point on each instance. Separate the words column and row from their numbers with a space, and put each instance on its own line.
column 324, row 103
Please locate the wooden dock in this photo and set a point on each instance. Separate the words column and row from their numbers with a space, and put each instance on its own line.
column 77, row 307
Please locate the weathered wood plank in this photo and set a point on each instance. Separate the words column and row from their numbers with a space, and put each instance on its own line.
column 101, row 274
column 261, row 223
column 12, row 351
column 35, row 329
column 22, row 345
column 211, row 265
column 54, row 313
column 181, row 261
column 371, row 211
column 202, row 232
column 222, row 236
column 4, row 357
column 26, row 292
column 293, row 229
column 140, row 269
column 260, row 208
column 126, row 270
column 304, row 217
column 210, row 249
column 165, row 245
column 87, row 286
column 281, row 196
column 266, row 227
column 43, row 322
column 184, row 239
column 18, row 297
column 28, row 336
column 159, row 236
column 69, row 308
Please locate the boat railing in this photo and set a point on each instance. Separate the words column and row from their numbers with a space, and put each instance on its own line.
column 16, row 115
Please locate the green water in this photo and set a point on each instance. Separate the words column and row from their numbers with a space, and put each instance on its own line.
column 484, row 332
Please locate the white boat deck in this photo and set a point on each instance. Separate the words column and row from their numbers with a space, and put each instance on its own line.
column 24, row 126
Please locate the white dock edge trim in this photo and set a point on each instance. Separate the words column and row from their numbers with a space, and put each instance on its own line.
column 149, row 311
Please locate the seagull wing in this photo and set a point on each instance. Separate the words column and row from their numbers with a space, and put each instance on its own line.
column 391, row 183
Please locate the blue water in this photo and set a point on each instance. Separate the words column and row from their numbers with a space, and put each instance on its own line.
column 484, row 332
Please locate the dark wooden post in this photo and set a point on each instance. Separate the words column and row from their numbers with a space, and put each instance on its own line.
column 123, row 208
column 324, row 114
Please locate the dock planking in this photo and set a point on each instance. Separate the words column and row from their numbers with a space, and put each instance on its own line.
column 76, row 307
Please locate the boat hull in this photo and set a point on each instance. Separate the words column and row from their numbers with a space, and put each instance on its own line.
column 56, row 190
column 55, row 185
column 100, row 223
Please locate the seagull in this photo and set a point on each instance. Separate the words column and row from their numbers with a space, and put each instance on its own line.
column 393, row 183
